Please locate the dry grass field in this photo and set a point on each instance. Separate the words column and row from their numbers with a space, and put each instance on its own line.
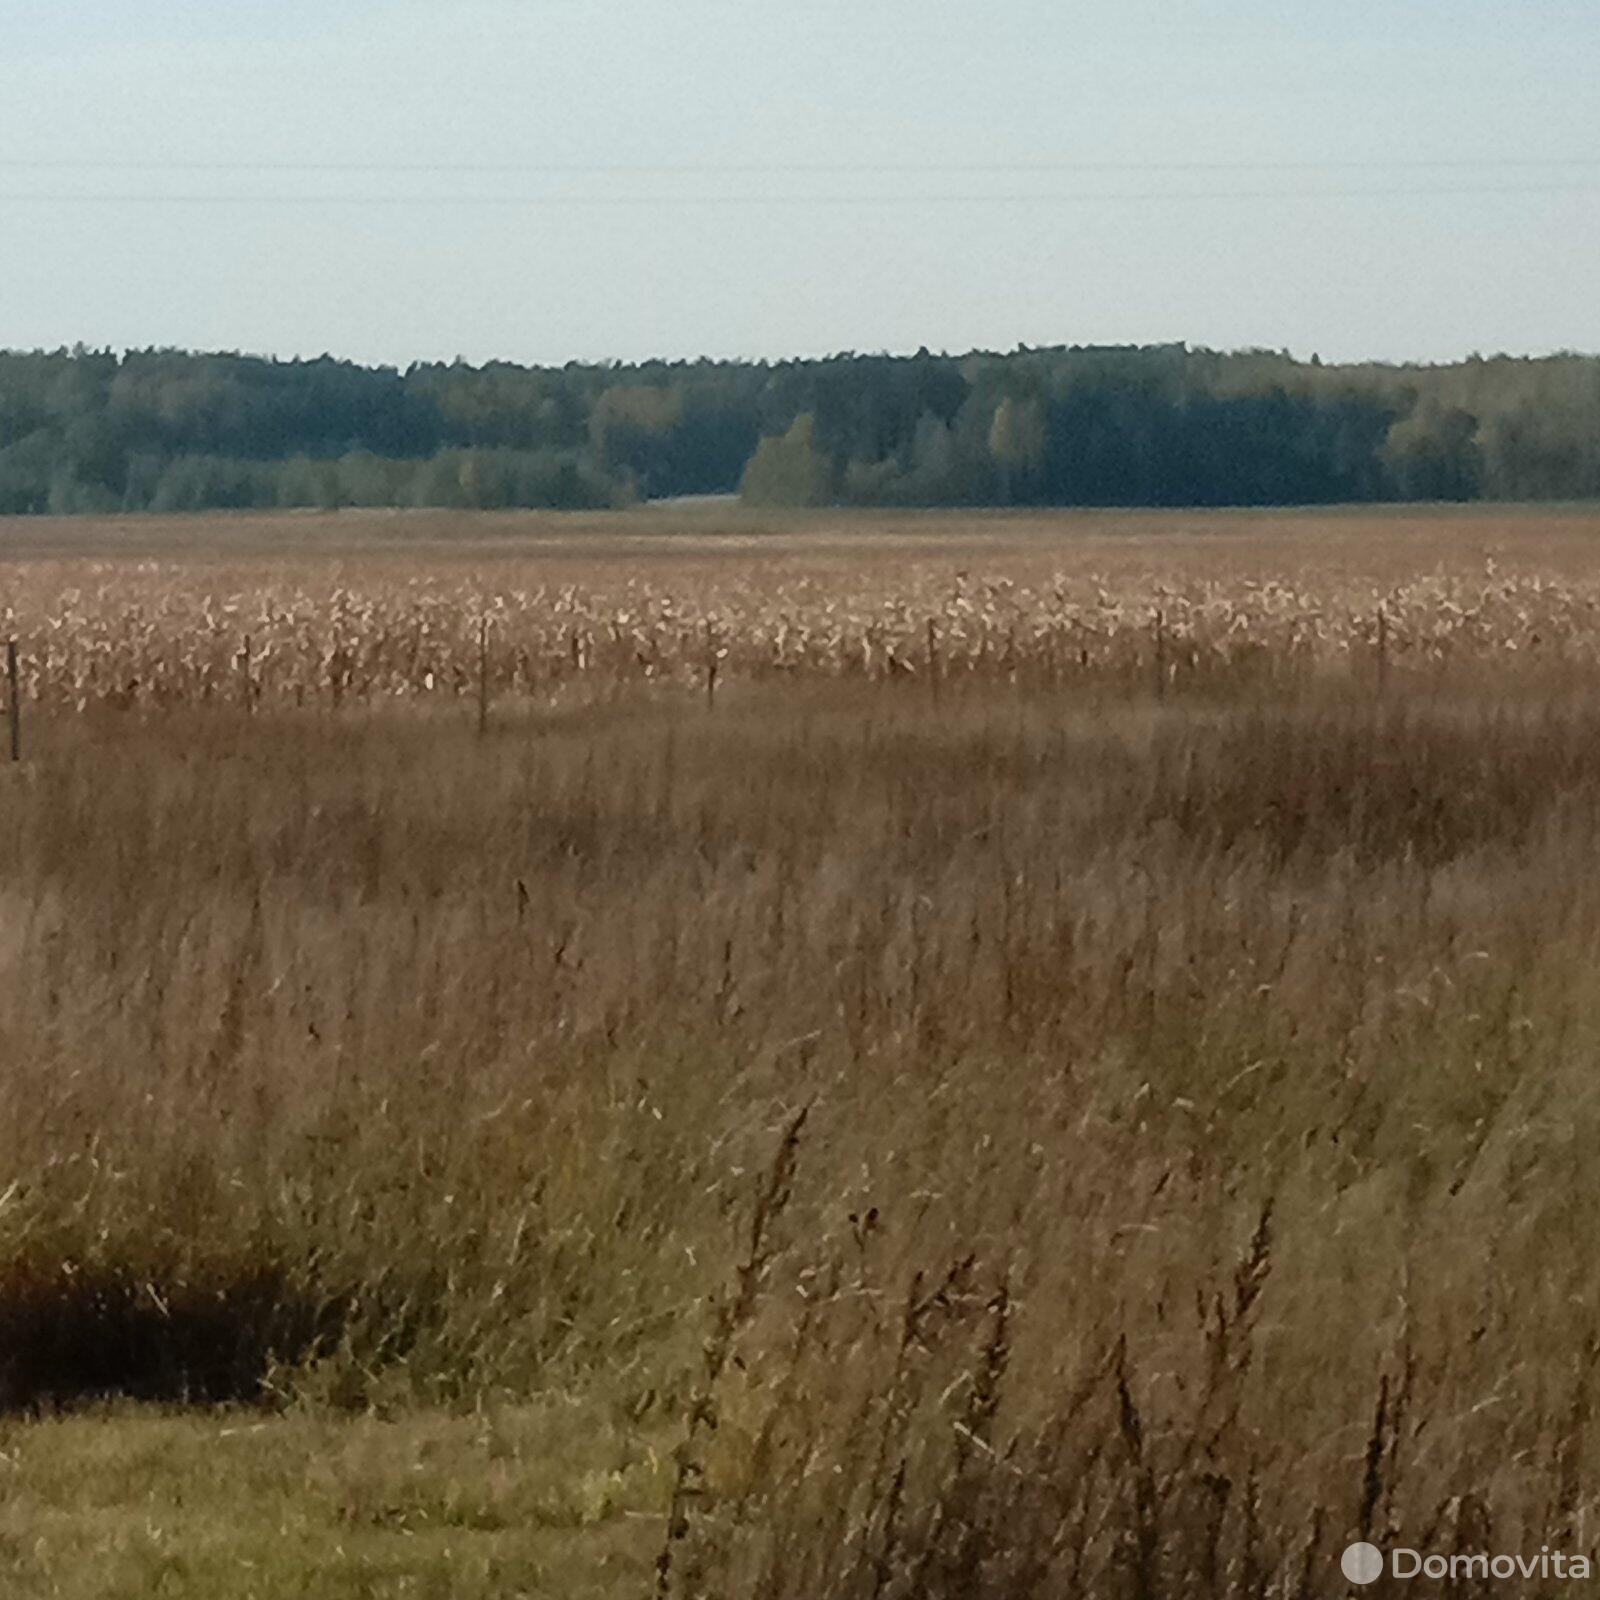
column 691, row 1053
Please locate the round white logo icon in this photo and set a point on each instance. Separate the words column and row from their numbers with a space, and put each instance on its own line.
column 1362, row 1563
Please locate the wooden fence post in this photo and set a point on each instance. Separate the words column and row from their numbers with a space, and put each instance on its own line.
column 933, row 659
column 483, row 676
column 14, row 697
column 711, row 666
column 1383, row 650
column 1161, row 655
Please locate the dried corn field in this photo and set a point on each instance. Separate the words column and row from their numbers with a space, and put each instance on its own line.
column 1017, row 1099
column 664, row 612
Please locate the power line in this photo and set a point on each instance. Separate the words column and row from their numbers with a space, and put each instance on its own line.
column 615, row 202
column 780, row 168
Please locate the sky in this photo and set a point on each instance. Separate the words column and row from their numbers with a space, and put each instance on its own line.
column 553, row 180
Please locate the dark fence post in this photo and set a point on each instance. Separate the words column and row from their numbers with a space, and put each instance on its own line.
column 14, row 695
column 483, row 676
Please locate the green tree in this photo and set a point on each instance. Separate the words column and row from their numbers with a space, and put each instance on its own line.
column 1433, row 454
column 1016, row 441
column 791, row 470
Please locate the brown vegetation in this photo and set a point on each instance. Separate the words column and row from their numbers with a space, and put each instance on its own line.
column 398, row 613
column 1117, row 1128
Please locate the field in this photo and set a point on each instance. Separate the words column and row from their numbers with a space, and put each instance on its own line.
column 696, row 1053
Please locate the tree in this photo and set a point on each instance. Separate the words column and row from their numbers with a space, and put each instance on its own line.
column 792, row 470
column 1120, row 425
column 1016, row 441
column 1433, row 455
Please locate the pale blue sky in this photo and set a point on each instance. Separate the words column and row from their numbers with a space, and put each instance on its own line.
column 1418, row 263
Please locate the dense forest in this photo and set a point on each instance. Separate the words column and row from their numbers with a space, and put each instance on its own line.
column 163, row 430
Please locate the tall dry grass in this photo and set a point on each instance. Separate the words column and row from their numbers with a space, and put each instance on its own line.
column 1195, row 1168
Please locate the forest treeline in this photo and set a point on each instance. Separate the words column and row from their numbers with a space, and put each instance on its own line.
column 162, row 430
